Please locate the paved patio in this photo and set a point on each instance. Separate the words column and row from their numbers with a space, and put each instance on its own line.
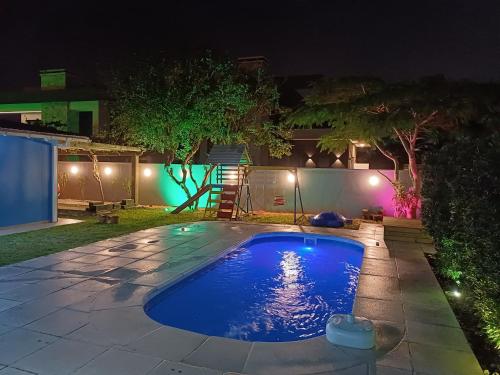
column 81, row 311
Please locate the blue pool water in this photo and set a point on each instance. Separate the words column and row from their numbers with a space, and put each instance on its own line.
column 272, row 288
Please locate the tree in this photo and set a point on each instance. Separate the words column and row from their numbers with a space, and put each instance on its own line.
column 171, row 107
column 406, row 112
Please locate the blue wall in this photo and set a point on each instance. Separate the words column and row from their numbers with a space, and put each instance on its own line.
column 25, row 180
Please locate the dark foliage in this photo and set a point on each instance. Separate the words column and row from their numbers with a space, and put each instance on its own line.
column 461, row 210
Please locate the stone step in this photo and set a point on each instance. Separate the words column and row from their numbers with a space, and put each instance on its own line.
column 416, row 239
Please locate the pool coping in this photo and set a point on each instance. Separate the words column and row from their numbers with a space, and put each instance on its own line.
column 389, row 334
column 116, row 325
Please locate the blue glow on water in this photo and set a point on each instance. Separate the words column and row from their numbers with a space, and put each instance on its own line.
column 270, row 289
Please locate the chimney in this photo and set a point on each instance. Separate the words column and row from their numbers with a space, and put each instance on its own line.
column 53, row 79
column 252, row 63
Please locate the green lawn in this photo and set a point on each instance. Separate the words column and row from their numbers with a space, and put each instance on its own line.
column 22, row 246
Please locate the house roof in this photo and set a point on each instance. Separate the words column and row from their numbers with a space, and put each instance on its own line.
column 62, row 95
column 229, row 155
column 68, row 144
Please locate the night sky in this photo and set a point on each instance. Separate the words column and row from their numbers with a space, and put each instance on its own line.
column 390, row 39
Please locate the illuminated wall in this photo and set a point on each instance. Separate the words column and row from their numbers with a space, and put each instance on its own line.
column 156, row 187
column 347, row 191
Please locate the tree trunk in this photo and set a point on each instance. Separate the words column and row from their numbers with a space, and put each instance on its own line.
column 415, row 177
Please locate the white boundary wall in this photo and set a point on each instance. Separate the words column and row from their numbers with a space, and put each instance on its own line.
column 347, row 191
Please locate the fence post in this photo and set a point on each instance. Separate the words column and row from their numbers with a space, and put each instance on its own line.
column 135, row 178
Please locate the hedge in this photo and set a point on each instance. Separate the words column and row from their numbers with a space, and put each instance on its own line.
column 461, row 210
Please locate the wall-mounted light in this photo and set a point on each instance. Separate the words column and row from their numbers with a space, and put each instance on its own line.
column 74, row 169
column 147, row 172
column 374, row 180
column 290, row 177
column 108, row 171
column 310, row 163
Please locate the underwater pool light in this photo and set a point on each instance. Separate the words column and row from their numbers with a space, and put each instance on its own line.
column 108, row 171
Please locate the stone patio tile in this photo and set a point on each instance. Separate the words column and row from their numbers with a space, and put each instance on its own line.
column 378, row 287
column 155, row 278
column 6, row 285
column 376, row 252
column 146, row 264
column 182, row 266
column 14, row 371
column 62, row 357
column 92, row 270
column 378, row 309
column 117, row 261
column 430, row 334
column 18, row 343
column 422, row 293
column 91, row 258
column 33, row 291
column 39, row 262
column 66, row 266
column 85, row 305
column 123, row 273
column 398, row 358
column 114, row 251
column 383, row 370
column 122, row 295
column 137, row 254
column 9, row 271
column 157, row 247
column 67, row 255
column 4, row 328
column 60, row 323
column 168, row 367
column 355, row 370
column 284, row 358
column 440, row 314
column 95, row 284
column 168, row 343
column 6, row 304
column 116, row 327
column 379, row 267
column 21, row 315
column 117, row 362
column 36, row 275
column 93, row 247
column 128, row 247
column 433, row 360
column 165, row 256
column 220, row 353
column 66, row 297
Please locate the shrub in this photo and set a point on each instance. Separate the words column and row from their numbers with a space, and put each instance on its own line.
column 461, row 210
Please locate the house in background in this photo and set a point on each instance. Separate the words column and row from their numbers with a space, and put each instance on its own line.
column 60, row 100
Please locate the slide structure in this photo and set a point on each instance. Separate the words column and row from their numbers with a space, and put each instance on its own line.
column 193, row 199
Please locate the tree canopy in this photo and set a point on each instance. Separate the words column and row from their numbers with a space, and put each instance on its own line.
column 172, row 106
column 375, row 112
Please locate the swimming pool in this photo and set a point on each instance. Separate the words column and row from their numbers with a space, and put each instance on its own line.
column 275, row 287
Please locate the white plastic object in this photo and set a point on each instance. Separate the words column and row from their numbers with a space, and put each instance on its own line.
column 350, row 331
